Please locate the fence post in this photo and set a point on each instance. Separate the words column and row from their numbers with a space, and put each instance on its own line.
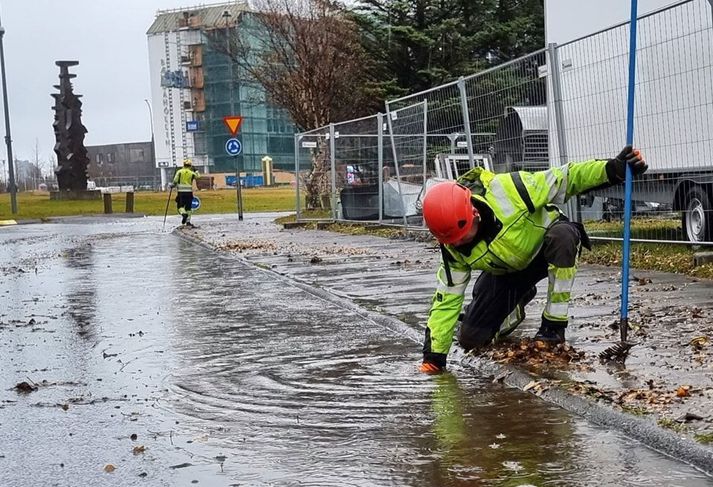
column 297, row 177
column 466, row 119
column 425, row 139
column 107, row 203
column 389, row 117
column 380, row 158
column 130, row 202
column 332, row 148
column 573, row 209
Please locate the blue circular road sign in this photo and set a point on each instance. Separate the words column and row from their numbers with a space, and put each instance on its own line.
column 233, row 147
column 196, row 203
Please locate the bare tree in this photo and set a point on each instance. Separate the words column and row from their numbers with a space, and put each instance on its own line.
column 307, row 56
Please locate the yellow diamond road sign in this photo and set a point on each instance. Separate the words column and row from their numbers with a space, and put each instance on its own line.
column 233, row 123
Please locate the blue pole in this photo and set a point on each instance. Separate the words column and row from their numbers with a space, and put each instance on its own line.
column 624, row 326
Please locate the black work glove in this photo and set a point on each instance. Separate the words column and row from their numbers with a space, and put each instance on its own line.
column 616, row 168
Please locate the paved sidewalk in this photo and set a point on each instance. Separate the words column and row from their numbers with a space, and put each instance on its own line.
column 668, row 379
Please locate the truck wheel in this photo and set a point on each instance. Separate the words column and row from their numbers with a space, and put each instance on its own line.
column 698, row 215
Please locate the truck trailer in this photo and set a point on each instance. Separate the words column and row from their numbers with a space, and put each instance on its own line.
column 673, row 104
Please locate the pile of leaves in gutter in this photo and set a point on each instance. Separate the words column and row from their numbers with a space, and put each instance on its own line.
column 527, row 351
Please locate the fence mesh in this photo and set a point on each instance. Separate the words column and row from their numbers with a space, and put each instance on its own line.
column 508, row 115
column 358, row 153
column 422, row 127
column 672, row 125
column 563, row 104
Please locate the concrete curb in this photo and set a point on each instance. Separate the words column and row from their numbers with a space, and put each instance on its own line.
column 74, row 218
column 641, row 429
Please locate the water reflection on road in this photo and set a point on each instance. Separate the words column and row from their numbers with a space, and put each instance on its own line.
column 231, row 376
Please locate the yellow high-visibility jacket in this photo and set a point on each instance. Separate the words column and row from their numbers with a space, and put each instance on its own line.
column 524, row 204
column 183, row 180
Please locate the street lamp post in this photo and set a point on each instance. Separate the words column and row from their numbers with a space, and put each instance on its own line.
column 8, row 138
column 153, row 145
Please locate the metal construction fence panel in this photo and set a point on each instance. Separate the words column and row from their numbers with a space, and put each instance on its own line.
column 421, row 127
column 508, row 114
column 358, row 154
column 496, row 118
column 557, row 105
column 672, row 126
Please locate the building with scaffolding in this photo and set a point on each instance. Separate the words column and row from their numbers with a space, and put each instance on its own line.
column 193, row 86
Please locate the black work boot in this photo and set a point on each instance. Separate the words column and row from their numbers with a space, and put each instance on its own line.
column 551, row 331
column 183, row 220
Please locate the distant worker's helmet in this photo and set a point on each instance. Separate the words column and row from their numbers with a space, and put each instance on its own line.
column 448, row 212
column 187, row 163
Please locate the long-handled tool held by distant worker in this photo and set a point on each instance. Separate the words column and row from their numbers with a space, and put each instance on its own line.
column 620, row 351
column 168, row 201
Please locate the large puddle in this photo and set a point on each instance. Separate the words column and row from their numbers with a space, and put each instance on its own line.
column 229, row 376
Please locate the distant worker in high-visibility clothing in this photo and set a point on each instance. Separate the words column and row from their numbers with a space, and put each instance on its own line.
column 183, row 182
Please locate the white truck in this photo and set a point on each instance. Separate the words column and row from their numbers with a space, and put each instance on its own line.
column 674, row 96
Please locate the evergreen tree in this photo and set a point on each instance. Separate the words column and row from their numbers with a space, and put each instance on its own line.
column 417, row 44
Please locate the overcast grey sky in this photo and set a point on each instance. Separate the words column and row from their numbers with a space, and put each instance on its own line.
column 570, row 19
column 108, row 38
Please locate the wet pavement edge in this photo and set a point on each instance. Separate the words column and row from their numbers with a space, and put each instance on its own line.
column 649, row 434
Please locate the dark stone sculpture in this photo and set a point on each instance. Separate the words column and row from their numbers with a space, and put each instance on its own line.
column 72, row 160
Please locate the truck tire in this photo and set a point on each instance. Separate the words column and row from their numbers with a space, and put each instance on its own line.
column 697, row 217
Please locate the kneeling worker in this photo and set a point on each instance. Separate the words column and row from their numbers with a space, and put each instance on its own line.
column 507, row 225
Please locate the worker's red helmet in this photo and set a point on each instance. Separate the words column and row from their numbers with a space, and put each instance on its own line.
column 448, row 211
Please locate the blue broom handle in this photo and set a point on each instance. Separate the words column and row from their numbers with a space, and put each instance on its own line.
column 629, row 176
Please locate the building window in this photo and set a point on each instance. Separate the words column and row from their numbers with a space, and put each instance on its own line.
column 136, row 155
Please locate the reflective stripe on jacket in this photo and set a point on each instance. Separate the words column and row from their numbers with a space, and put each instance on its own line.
column 184, row 179
column 523, row 203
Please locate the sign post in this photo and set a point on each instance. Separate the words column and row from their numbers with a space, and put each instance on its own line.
column 233, row 147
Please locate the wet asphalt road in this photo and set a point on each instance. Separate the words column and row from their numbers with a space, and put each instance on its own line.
column 229, row 376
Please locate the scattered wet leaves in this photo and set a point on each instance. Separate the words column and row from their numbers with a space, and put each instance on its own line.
column 671, row 424
column 514, row 466
column 109, row 468
column 683, row 391
column 133, row 437
column 241, row 245
column 137, row 450
column 537, row 386
column 697, row 313
column 180, row 465
column 699, row 343
column 25, row 387
column 588, row 388
column 535, row 352
column 688, row 417
column 501, row 376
